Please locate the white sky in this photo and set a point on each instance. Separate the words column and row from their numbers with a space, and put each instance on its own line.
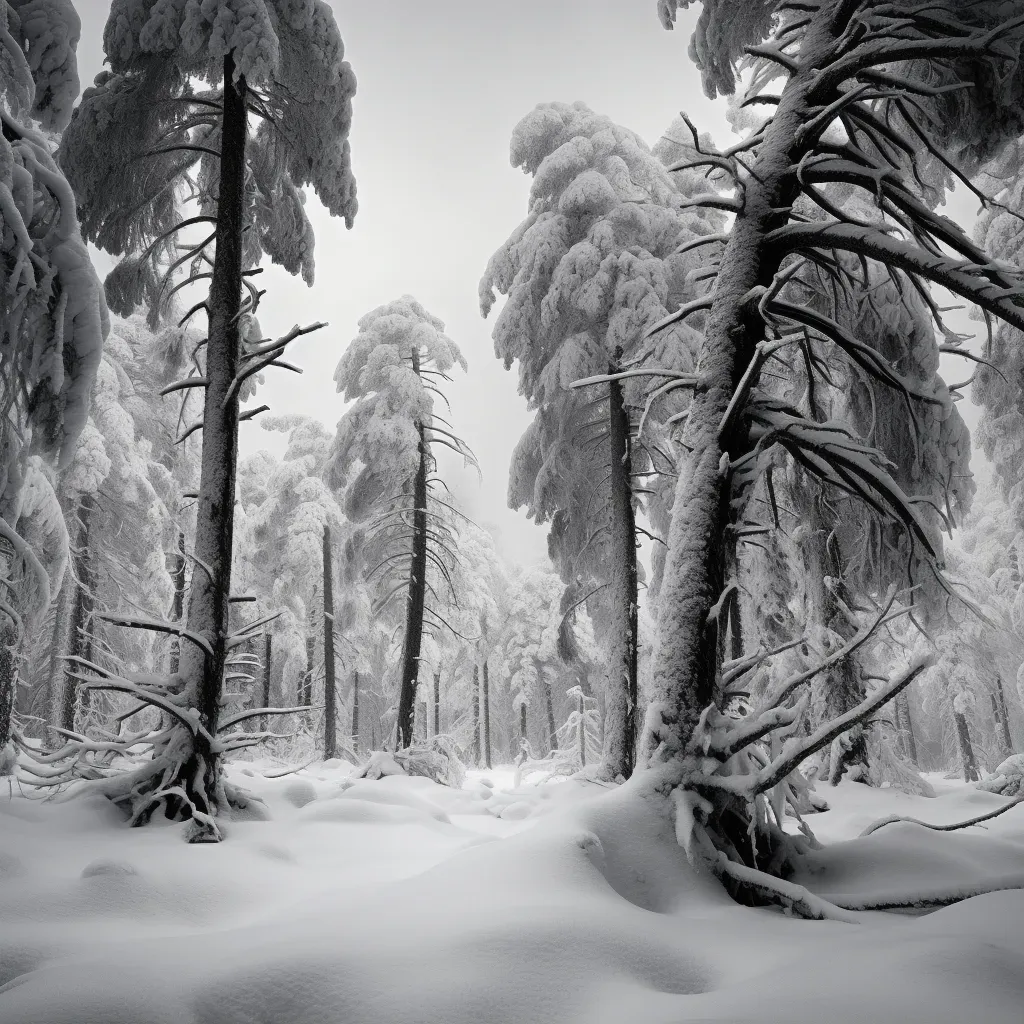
column 441, row 85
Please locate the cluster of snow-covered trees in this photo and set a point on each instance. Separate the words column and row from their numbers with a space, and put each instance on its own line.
column 744, row 446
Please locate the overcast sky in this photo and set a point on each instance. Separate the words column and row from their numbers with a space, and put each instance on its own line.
column 441, row 85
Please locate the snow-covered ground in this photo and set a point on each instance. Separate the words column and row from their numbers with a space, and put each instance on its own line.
column 400, row 901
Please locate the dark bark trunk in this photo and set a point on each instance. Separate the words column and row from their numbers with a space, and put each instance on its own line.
column 476, row 714
column 437, row 703
column 268, row 665
column 8, row 679
column 581, row 731
column 685, row 665
column 486, row 712
column 550, row 710
column 355, row 712
column 178, row 602
column 58, row 644
column 967, row 759
column 522, row 724
column 417, row 598
column 903, row 703
column 306, row 685
column 81, row 609
column 208, row 599
column 330, row 695
column 1004, row 716
column 619, row 752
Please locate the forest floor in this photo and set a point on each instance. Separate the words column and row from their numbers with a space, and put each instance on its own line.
column 398, row 901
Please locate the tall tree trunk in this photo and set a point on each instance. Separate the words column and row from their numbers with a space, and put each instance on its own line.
column 685, row 661
column 1003, row 715
column 81, row 609
column 522, row 723
column 619, row 754
column 486, row 711
column 903, row 703
column 58, row 646
column 550, row 709
column 8, row 667
column 208, row 599
column 330, row 695
column 178, row 602
column 476, row 714
column 417, row 597
column 967, row 759
column 437, row 703
column 355, row 711
column 843, row 684
column 581, row 731
column 268, row 665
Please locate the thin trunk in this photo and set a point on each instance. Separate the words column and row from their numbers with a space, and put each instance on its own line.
column 476, row 714
column 619, row 753
column 268, row 664
column 1003, row 715
column 58, row 642
column 903, row 702
column 8, row 679
column 330, row 696
column 417, row 597
column 81, row 608
column 178, row 602
column 967, row 759
column 437, row 703
column 355, row 712
column 208, row 599
column 486, row 711
column 549, row 708
column 581, row 731
column 522, row 723
column 306, row 686
column 685, row 663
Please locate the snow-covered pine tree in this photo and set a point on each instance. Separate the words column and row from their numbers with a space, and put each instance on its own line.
column 384, row 458
column 599, row 260
column 145, row 140
column 54, row 318
column 845, row 64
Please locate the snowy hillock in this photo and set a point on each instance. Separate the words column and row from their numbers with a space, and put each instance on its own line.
column 399, row 900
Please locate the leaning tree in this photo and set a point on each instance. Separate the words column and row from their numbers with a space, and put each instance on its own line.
column 892, row 101
column 600, row 259
column 385, row 459
column 162, row 143
column 53, row 318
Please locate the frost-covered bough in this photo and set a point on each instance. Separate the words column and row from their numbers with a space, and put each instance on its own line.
column 53, row 319
column 600, row 259
column 873, row 97
column 160, row 144
column 385, row 459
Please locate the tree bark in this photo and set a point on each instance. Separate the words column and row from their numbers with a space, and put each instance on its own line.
column 903, row 703
column 522, row 723
column 8, row 679
column 581, row 731
column 208, row 599
column 330, row 694
column 268, row 664
column 417, row 597
column 1003, row 714
column 81, row 609
column 355, row 712
column 619, row 753
column 685, row 662
column 967, row 759
column 178, row 602
column 476, row 714
column 486, row 711
column 550, row 710
column 306, row 686
column 437, row 703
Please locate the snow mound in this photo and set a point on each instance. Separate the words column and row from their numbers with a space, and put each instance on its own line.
column 108, row 867
column 299, row 792
column 1007, row 779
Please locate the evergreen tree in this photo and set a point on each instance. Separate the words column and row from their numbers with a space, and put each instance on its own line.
column 144, row 140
